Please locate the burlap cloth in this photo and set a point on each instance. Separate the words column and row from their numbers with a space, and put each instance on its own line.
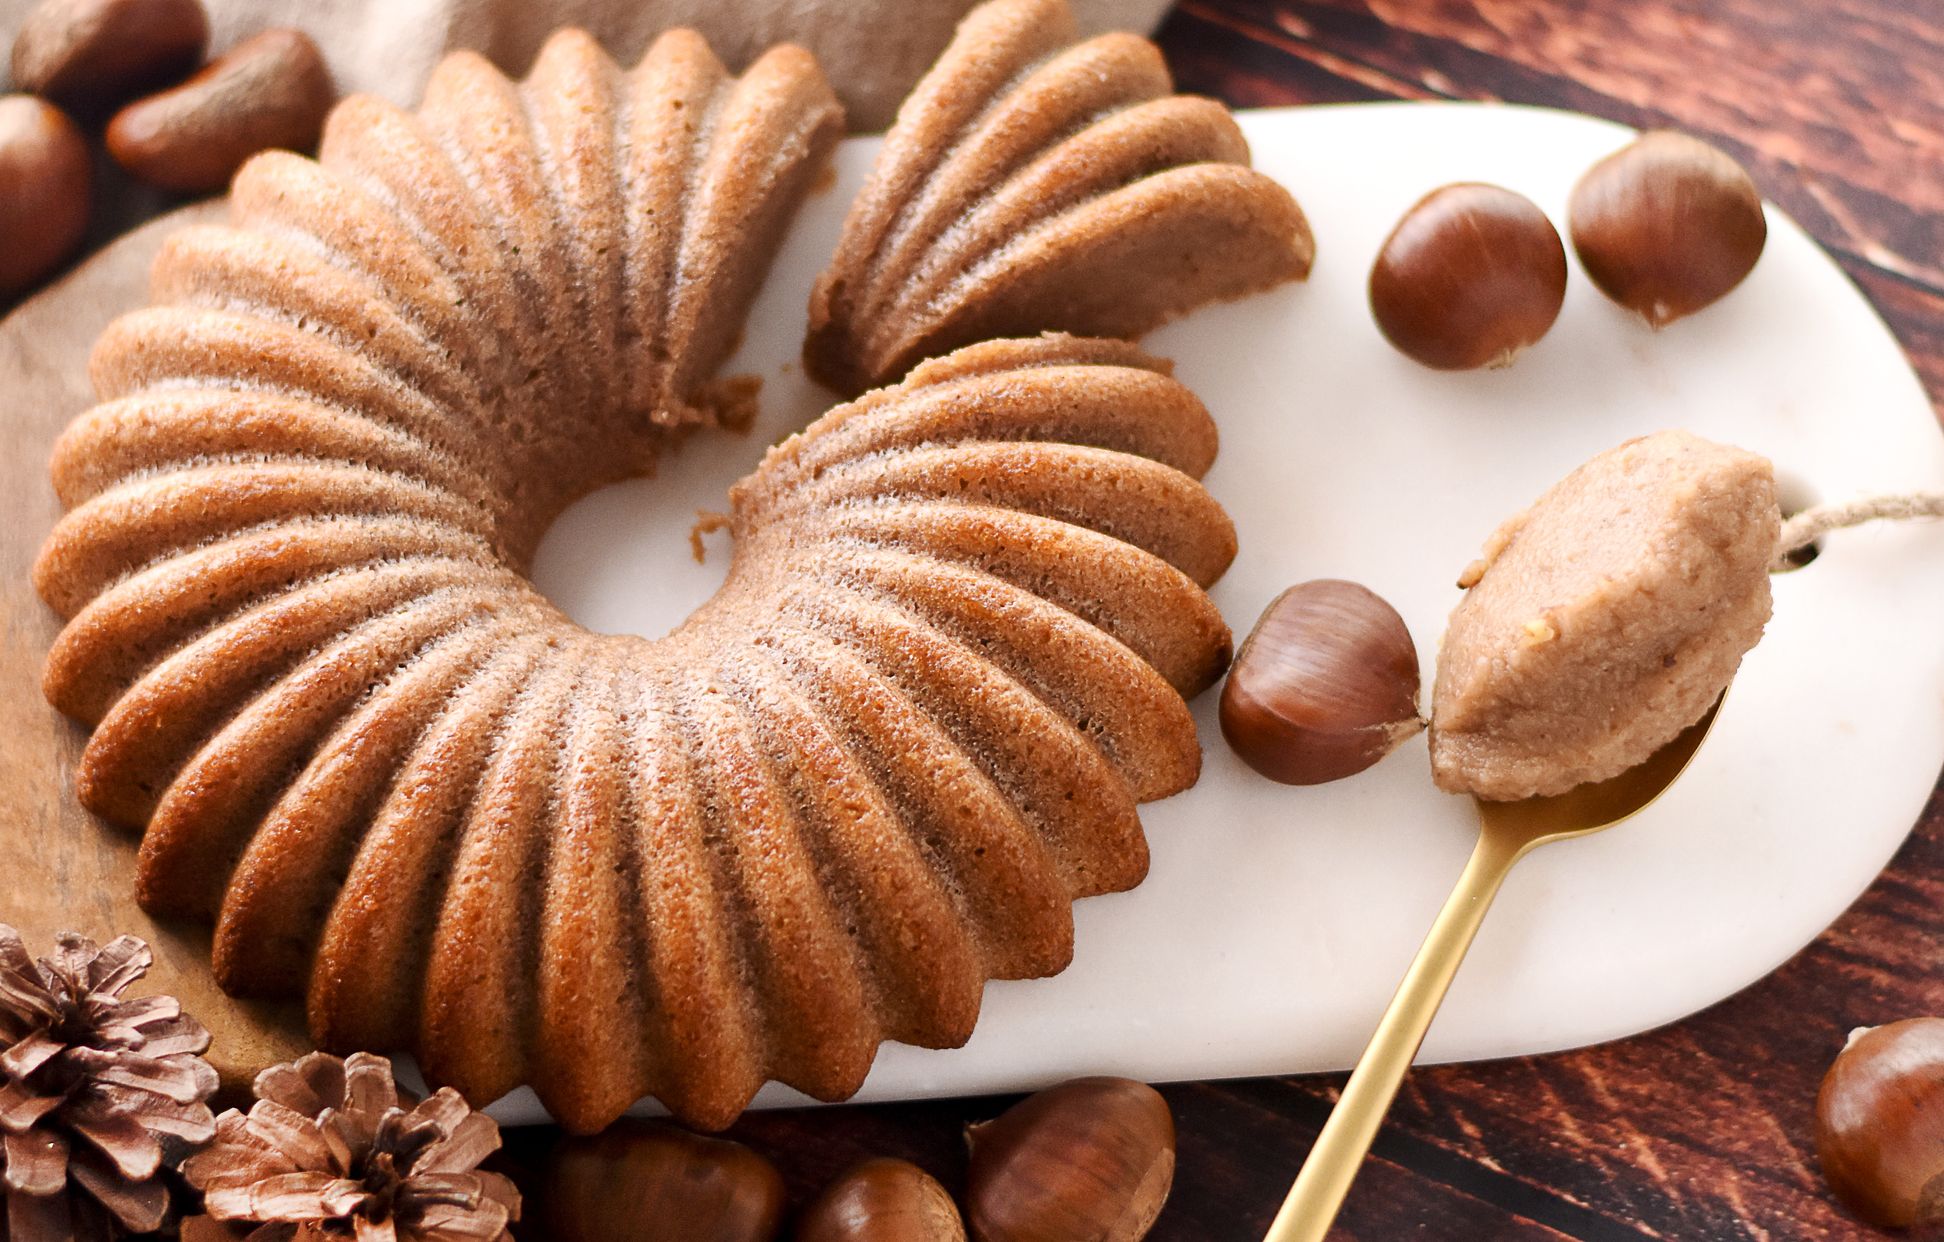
column 873, row 50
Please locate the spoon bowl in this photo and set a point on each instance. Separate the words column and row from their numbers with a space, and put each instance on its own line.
column 1586, row 809
column 1507, row 832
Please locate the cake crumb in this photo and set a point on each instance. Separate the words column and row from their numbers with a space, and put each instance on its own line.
column 707, row 522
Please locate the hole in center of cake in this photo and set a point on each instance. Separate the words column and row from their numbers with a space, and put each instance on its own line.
column 619, row 560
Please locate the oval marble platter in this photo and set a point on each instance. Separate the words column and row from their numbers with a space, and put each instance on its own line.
column 1275, row 922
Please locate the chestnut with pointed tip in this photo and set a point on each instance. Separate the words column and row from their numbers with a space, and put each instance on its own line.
column 1880, row 1124
column 641, row 1182
column 1090, row 1160
column 882, row 1200
column 1324, row 686
column 272, row 90
column 1470, row 276
column 1666, row 225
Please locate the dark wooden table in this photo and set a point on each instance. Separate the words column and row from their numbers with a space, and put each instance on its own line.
column 1701, row 1130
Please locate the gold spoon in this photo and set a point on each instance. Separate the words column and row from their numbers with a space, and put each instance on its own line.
column 1507, row 832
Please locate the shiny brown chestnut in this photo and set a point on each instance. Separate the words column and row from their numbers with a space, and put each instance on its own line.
column 1470, row 276
column 1880, row 1124
column 269, row 91
column 1324, row 686
column 92, row 54
column 882, row 1200
column 644, row 1182
column 44, row 187
column 1090, row 1160
column 1666, row 225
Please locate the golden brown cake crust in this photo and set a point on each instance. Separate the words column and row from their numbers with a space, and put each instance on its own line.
column 872, row 773
column 1033, row 184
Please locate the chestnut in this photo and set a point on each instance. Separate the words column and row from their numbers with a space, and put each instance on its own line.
column 272, row 90
column 882, row 1200
column 44, row 186
column 1666, row 225
column 642, row 1182
column 92, row 54
column 1323, row 687
column 1880, row 1124
column 1470, row 276
column 1090, row 1160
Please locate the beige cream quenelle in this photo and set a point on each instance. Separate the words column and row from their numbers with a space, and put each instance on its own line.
column 1604, row 619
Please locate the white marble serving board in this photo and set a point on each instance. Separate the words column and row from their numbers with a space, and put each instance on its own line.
column 1276, row 922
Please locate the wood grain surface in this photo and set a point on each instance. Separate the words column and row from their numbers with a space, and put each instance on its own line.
column 1699, row 1131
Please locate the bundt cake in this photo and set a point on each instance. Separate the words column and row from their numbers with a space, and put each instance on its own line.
column 1032, row 184
column 871, row 773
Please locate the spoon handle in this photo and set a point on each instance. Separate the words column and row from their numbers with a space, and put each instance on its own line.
column 1332, row 1165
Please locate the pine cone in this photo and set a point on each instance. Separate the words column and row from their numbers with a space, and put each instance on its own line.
column 329, row 1150
column 124, row 1076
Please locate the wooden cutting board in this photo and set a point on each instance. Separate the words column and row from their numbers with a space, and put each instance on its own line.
column 1275, row 922
column 64, row 869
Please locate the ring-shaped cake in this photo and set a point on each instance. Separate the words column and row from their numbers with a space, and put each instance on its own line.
column 871, row 773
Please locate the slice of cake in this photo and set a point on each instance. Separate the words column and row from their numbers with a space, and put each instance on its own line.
column 1033, row 184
